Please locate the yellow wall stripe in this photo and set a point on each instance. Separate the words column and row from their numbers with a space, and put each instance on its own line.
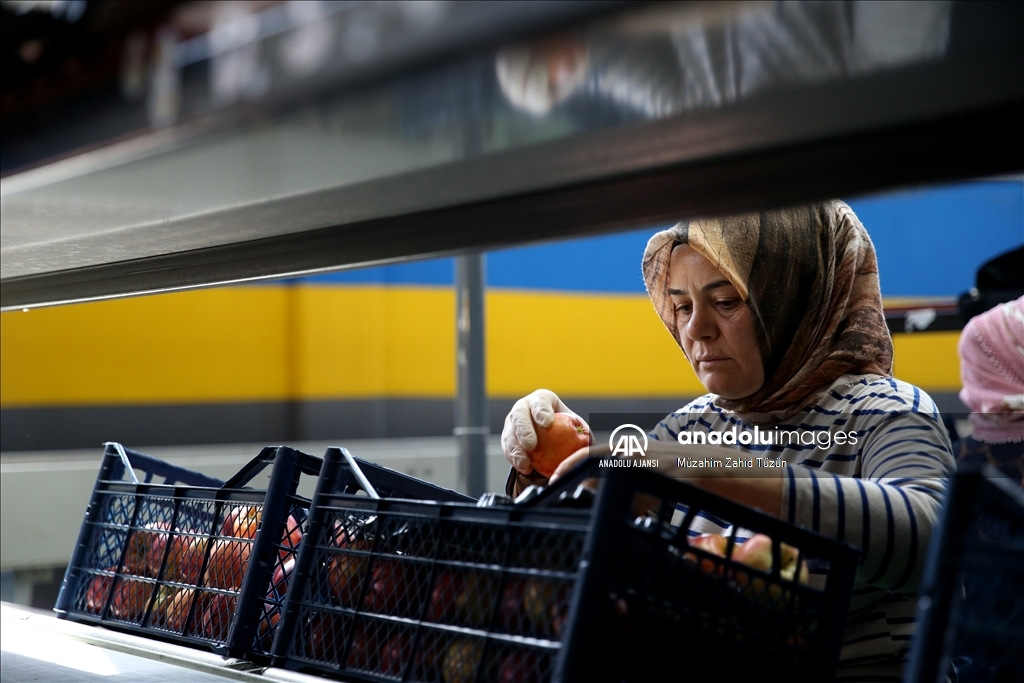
column 209, row 345
column 600, row 345
column 928, row 359
column 277, row 342
column 370, row 340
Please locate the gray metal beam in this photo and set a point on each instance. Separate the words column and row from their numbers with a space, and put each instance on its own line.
column 471, row 414
column 388, row 174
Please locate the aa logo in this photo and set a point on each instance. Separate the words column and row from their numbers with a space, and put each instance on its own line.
column 625, row 442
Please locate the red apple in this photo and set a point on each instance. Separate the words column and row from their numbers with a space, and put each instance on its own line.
column 185, row 559
column 395, row 654
column 362, row 653
column 566, row 435
column 512, row 613
column 447, row 587
column 279, row 582
column 559, row 610
column 97, row 591
column 228, row 561
column 291, row 539
column 521, row 666
column 130, row 599
column 325, row 637
column 144, row 553
column 217, row 616
column 345, row 570
column 174, row 610
column 430, row 654
column 757, row 553
column 714, row 544
column 242, row 521
column 391, row 586
column 155, row 552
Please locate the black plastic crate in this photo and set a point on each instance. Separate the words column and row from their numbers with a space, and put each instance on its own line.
column 971, row 614
column 354, row 475
column 190, row 560
column 420, row 591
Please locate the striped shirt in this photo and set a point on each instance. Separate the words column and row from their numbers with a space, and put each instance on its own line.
column 881, row 493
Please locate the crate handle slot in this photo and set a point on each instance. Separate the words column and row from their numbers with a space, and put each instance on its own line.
column 124, row 459
column 363, row 481
column 307, row 463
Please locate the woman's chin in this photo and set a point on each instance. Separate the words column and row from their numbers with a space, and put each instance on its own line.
column 729, row 390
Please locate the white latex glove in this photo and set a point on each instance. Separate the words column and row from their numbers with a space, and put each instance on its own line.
column 519, row 436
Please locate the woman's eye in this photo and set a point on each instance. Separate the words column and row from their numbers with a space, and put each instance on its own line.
column 728, row 304
column 683, row 308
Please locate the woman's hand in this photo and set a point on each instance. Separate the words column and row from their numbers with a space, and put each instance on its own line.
column 602, row 451
column 519, row 436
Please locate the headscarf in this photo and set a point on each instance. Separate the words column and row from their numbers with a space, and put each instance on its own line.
column 810, row 278
column 991, row 352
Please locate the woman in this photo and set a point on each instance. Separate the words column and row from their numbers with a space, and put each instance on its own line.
column 780, row 315
column 991, row 352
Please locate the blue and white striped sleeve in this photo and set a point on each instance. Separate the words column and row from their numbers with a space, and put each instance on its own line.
column 888, row 500
column 668, row 428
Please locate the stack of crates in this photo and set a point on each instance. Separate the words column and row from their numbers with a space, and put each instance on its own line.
column 397, row 589
column 971, row 613
column 382, row 577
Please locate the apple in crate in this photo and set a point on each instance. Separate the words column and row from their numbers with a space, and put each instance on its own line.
column 395, row 654
column 521, row 666
column 757, row 553
column 392, row 587
column 185, row 559
column 446, row 590
column 228, row 561
column 512, row 612
column 176, row 609
column 242, row 521
column 217, row 616
column 325, row 637
column 279, row 582
column 97, row 591
column 144, row 553
column 291, row 538
column 566, row 435
column 475, row 601
column 345, row 570
column 461, row 661
column 713, row 544
column 130, row 599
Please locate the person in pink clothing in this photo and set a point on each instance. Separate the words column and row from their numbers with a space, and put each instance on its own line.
column 991, row 353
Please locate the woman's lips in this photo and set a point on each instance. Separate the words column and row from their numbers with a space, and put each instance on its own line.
column 711, row 362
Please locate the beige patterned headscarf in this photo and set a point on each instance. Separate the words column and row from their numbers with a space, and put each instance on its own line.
column 810, row 278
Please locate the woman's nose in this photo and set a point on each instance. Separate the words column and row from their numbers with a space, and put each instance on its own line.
column 701, row 324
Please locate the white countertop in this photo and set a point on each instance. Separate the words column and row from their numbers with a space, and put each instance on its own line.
column 38, row 647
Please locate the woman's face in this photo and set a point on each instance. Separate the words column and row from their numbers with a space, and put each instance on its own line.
column 715, row 326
